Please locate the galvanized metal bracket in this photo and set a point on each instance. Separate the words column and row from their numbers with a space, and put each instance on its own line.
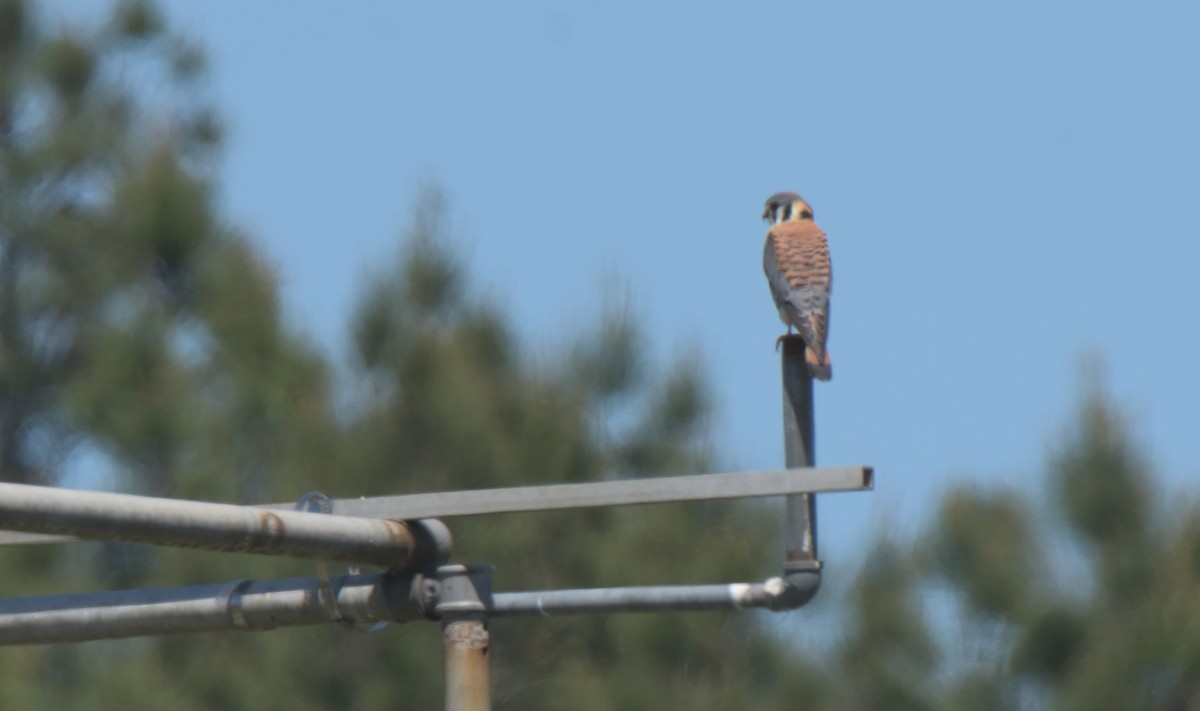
column 320, row 502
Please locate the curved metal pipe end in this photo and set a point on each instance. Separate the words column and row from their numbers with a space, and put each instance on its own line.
column 433, row 540
column 796, row 587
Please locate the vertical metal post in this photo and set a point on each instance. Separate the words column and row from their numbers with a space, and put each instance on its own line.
column 462, row 606
column 800, row 533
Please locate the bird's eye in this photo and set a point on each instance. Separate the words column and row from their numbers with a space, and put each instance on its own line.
column 806, row 214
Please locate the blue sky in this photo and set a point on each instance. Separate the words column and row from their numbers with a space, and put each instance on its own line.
column 1006, row 187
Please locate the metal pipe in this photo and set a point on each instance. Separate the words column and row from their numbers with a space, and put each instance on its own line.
column 658, row 598
column 462, row 604
column 799, row 449
column 459, row 595
column 616, row 492
column 620, row 492
column 237, row 605
column 224, row 527
column 801, row 565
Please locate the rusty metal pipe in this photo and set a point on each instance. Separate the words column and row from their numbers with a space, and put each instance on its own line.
column 462, row 602
column 468, row 683
column 222, row 527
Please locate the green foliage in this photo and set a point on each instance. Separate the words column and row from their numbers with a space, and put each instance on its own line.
column 137, row 19
column 99, row 222
column 163, row 214
column 1103, row 486
column 69, row 66
column 1120, row 630
column 1100, row 479
column 14, row 26
column 611, row 363
column 132, row 394
column 982, row 546
column 433, row 280
column 887, row 659
column 1051, row 640
column 138, row 329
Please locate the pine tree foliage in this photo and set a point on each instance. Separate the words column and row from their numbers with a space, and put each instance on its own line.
column 140, row 330
column 1085, row 601
column 143, row 347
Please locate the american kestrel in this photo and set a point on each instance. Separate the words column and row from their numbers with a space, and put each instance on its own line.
column 796, row 260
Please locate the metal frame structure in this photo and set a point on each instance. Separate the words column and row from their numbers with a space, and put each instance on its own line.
column 404, row 535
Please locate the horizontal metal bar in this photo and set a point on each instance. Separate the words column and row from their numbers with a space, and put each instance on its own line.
column 355, row 600
column 733, row 596
column 237, row 605
column 694, row 487
column 193, row 524
column 652, row 490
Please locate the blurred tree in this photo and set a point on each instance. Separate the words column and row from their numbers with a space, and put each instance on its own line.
column 1088, row 602
column 98, row 226
column 141, row 334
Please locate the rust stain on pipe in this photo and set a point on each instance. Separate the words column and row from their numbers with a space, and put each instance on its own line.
column 466, row 635
column 468, row 680
column 269, row 533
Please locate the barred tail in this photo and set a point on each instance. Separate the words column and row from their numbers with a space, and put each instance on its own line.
column 821, row 368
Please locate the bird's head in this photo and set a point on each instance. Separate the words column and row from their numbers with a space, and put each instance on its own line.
column 785, row 207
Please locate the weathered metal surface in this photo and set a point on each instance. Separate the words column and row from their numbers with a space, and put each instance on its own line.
column 237, row 605
column 694, row 487
column 361, row 599
column 468, row 678
column 771, row 594
column 464, row 596
column 653, row 490
column 800, row 521
column 224, row 527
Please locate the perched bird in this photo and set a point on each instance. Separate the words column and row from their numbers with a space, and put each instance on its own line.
column 796, row 260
